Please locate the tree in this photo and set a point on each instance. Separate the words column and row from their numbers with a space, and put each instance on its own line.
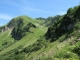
column 69, row 10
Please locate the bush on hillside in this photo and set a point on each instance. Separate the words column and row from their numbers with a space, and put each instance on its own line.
column 27, row 27
column 77, row 49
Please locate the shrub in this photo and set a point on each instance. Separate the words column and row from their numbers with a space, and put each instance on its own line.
column 77, row 49
column 61, row 39
column 63, row 54
column 27, row 27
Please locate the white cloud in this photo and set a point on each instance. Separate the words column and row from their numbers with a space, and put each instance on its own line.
column 5, row 17
column 24, row 6
column 10, row 2
column 34, row 9
column 55, row 7
column 62, row 13
column 1, row 24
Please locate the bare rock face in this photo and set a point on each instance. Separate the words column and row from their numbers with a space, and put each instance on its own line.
column 3, row 29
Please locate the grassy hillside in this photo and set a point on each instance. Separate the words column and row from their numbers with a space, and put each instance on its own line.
column 32, row 34
column 54, row 38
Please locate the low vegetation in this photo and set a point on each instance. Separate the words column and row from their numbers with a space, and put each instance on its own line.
column 24, row 38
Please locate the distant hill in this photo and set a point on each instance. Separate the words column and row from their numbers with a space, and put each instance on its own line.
column 50, row 20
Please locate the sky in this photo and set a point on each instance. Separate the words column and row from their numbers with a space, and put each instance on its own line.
column 33, row 8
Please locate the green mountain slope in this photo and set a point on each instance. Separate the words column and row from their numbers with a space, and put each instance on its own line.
column 24, row 38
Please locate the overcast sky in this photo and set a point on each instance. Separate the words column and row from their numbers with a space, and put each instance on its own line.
column 33, row 8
